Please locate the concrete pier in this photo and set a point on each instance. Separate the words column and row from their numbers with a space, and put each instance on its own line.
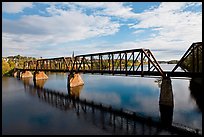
column 40, row 75
column 22, row 74
column 26, row 74
column 76, row 80
column 17, row 74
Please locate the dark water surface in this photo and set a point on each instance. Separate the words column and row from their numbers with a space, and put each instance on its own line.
column 24, row 113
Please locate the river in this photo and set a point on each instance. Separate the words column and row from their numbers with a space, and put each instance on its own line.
column 24, row 113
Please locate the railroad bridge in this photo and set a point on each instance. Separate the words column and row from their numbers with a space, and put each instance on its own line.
column 134, row 62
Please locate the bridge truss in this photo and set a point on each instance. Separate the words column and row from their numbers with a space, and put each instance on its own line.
column 128, row 62
column 194, row 56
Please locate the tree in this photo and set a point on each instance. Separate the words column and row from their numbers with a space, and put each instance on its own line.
column 11, row 64
column 18, row 56
column 5, row 67
column 191, row 65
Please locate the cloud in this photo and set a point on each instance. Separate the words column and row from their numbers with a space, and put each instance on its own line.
column 16, row 7
column 71, row 25
column 177, row 28
column 63, row 26
column 139, row 31
column 170, row 27
column 117, row 9
column 172, row 22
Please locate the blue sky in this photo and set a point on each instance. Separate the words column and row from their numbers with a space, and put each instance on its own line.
column 55, row 29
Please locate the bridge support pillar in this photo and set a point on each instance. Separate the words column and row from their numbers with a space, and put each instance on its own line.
column 14, row 74
column 17, row 74
column 22, row 74
column 39, row 75
column 26, row 74
column 74, row 80
column 166, row 102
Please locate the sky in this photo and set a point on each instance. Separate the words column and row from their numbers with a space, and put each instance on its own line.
column 56, row 29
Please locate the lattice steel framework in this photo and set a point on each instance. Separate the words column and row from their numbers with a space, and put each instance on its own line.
column 52, row 64
column 194, row 56
column 128, row 62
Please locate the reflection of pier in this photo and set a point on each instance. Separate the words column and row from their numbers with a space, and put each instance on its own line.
column 116, row 121
column 196, row 88
column 166, row 102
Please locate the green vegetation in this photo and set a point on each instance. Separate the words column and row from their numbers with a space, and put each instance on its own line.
column 96, row 64
column 168, row 62
column 11, row 62
column 172, row 62
column 188, row 62
column 5, row 67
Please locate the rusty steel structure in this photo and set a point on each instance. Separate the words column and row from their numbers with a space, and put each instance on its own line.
column 127, row 62
column 51, row 64
column 134, row 62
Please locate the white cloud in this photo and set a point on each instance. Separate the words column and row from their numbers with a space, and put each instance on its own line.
column 138, row 31
column 61, row 27
column 13, row 44
column 173, row 25
column 15, row 7
column 117, row 9
column 175, row 29
column 69, row 25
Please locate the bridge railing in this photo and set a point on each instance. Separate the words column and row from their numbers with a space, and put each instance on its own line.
column 128, row 62
column 30, row 64
column 61, row 63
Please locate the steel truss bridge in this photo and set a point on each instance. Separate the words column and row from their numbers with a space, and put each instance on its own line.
column 134, row 62
column 126, row 62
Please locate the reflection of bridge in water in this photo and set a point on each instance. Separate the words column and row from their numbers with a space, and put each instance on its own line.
column 116, row 121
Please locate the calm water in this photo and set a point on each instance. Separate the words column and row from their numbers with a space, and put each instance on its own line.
column 24, row 113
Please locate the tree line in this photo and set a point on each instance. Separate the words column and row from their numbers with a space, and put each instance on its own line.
column 11, row 62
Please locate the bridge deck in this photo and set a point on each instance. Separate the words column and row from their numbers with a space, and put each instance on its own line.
column 127, row 73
